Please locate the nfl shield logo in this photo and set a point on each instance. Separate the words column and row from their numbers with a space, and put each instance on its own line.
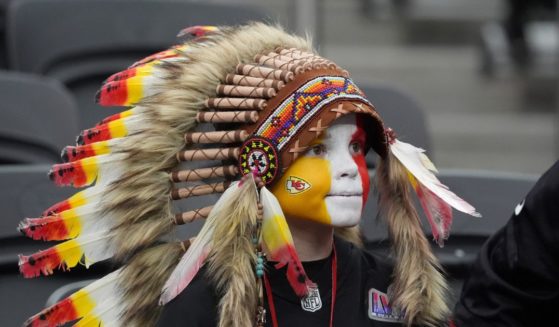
column 312, row 302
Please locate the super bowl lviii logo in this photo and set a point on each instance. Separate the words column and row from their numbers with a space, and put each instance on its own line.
column 295, row 185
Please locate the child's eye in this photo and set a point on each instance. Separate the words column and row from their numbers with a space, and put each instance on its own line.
column 355, row 147
column 317, row 150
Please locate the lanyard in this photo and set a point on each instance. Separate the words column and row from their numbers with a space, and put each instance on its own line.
column 334, row 287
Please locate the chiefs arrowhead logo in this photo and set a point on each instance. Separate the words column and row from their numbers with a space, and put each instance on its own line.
column 296, row 185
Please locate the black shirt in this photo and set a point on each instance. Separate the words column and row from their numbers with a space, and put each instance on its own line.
column 362, row 282
column 515, row 279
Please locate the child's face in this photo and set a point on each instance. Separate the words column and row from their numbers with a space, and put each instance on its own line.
column 330, row 183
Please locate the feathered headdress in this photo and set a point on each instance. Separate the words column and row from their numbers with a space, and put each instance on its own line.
column 268, row 96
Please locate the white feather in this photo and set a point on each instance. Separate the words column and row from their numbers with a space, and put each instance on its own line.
column 417, row 163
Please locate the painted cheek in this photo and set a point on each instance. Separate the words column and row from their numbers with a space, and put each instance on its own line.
column 301, row 203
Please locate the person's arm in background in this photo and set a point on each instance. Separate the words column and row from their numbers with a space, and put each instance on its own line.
column 515, row 279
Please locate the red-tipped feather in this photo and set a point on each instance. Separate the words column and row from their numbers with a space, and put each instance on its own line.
column 42, row 262
column 63, row 311
column 95, row 134
column 57, row 208
column 438, row 212
column 51, row 228
column 123, row 75
column 113, row 94
column 73, row 153
column 71, row 173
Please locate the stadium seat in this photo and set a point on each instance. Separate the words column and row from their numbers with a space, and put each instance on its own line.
column 98, row 38
column 25, row 191
column 38, row 118
column 400, row 112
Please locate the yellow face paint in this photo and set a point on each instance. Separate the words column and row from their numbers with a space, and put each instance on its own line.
column 302, row 189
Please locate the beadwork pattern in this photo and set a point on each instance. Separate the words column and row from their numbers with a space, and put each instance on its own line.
column 304, row 103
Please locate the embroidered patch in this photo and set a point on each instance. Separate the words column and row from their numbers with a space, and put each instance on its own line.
column 296, row 185
column 312, row 301
column 260, row 156
column 380, row 309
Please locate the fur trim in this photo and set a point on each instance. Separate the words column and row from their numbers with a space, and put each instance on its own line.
column 141, row 282
column 232, row 258
column 419, row 286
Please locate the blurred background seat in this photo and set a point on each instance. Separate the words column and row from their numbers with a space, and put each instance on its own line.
column 39, row 117
column 25, row 191
column 87, row 41
column 494, row 195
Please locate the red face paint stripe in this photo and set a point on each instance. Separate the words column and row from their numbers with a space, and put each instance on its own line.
column 359, row 159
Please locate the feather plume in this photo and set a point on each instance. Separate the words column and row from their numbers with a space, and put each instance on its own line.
column 279, row 243
column 81, row 303
column 417, row 163
column 113, row 129
column 74, row 153
column 197, row 253
column 67, row 224
column 128, row 92
column 103, row 169
column 87, row 250
column 120, row 115
column 88, row 195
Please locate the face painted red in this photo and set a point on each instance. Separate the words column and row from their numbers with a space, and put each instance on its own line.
column 359, row 138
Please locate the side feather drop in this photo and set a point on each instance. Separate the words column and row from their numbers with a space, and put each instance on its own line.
column 435, row 197
column 279, row 242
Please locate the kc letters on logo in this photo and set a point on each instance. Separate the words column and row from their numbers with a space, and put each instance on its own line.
column 296, row 185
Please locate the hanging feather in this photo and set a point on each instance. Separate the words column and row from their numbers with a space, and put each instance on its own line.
column 87, row 250
column 103, row 169
column 435, row 197
column 279, row 242
column 89, row 195
column 127, row 92
column 194, row 258
column 83, row 303
column 67, row 224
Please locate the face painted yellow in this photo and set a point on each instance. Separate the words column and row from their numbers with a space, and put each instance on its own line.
column 303, row 187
